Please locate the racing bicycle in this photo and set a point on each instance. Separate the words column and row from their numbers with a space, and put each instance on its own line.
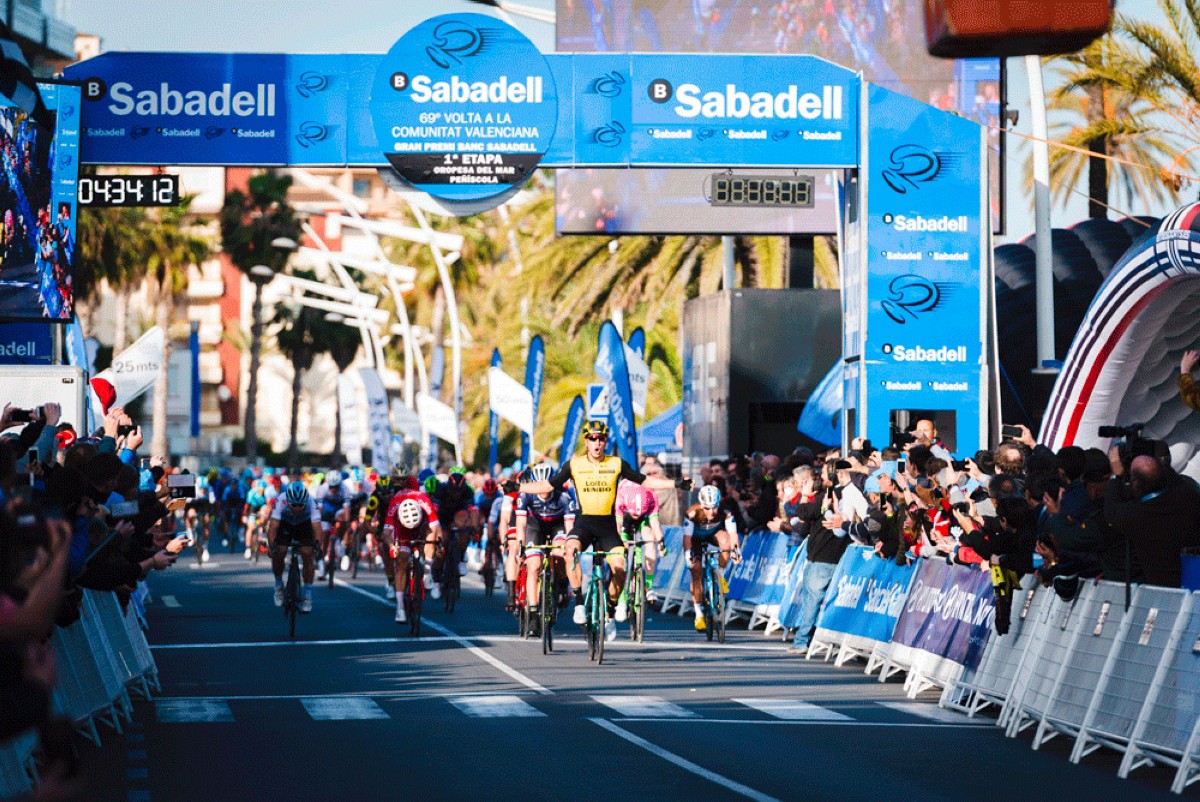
column 714, row 592
column 596, row 604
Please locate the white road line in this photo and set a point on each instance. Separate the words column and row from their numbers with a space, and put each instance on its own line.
column 934, row 713
column 645, row 706
column 495, row 707
column 429, row 694
column 189, row 710
column 682, row 763
column 170, row 601
column 342, row 708
column 566, row 642
column 850, row 723
column 461, row 641
column 793, row 710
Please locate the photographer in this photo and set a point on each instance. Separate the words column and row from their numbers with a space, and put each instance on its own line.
column 1158, row 511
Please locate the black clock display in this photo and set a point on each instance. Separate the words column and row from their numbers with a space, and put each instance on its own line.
column 762, row 190
column 128, row 190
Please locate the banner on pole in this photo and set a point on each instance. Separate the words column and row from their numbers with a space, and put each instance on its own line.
column 511, row 400
column 612, row 369
column 377, row 419
column 639, row 380
column 494, row 424
column 405, row 420
column 437, row 418
column 535, row 374
column 132, row 373
column 572, row 430
column 352, row 436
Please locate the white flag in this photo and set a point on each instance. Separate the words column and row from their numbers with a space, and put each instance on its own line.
column 377, row 420
column 510, row 399
column 132, row 373
column 405, row 421
column 639, row 380
column 437, row 418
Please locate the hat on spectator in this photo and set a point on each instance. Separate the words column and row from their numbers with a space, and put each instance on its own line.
column 843, row 465
column 65, row 438
column 872, row 484
column 1096, row 467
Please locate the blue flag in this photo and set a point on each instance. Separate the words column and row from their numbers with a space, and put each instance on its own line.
column 493, row 424
column 572, row 430
column 613, row 371
column 535, row 373
column 637, row 342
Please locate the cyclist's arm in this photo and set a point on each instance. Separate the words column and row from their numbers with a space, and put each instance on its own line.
column 556, row 482
column 656, row 528
column 521, row 523
column 731, row 528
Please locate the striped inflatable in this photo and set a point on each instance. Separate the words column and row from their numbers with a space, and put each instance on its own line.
column 1123, row 364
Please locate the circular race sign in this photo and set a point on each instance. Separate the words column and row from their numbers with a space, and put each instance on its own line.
column 464, row 107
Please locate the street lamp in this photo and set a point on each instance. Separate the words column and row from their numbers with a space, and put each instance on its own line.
column 261, row 275
column 335, row 317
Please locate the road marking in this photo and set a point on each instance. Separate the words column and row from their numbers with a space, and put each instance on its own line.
column 565, row 641
column 188, row 710
column 682, row 763
column 644, row 706
column 461, row 641
column 934, row 713
column 495, row 707
column 342, row 708
column 793, row 710
column 759, row 722
column 428, row 694
column 170, row 601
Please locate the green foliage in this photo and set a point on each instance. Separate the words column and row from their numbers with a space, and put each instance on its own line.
column 250, row 222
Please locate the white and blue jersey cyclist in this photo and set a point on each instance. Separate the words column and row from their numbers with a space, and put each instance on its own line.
column 294, row 517
column 545, row 518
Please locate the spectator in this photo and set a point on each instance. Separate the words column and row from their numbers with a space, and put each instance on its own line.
column 1158, row 510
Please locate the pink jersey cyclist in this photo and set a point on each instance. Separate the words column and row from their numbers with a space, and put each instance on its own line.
column 636, row 509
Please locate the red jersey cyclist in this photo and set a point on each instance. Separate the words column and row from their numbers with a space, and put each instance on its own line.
column 399, row 538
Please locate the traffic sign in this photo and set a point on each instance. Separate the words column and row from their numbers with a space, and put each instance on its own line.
column 597, row 404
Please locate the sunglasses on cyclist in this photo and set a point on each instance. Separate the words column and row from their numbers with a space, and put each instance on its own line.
column 295, row 506
column 596, row 438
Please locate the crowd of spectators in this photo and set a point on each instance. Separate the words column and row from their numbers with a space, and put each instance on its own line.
column 76, row 512
column 1019, row 508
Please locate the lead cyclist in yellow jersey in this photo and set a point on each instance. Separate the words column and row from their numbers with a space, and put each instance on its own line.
column 595, row 478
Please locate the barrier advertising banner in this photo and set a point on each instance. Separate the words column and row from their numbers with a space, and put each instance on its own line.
column 572, row 430
column 494, row 423
column 132, row 373
column 378, row 426
column 949, row 612
column 535, row 374
column 612, row 370
column 866, row 595
column 789, row 601
column 761, row 575
column 673, row 538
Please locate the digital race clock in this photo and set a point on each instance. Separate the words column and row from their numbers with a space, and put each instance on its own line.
column 761, row 190
column 128, row 190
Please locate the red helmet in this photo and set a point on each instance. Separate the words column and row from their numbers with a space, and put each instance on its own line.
column 490, row 488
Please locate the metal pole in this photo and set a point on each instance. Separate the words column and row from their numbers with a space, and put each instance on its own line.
column 1044, row 271
column 252, row 388
column 729, row 275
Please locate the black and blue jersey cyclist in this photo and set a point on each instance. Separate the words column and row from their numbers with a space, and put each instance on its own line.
column 294, row 517
column 543, row 519
column 335, row 507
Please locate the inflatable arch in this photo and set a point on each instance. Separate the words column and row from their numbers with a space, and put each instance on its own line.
column 1123, row 365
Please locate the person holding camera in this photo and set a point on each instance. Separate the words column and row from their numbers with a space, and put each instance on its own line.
column 1188, row 390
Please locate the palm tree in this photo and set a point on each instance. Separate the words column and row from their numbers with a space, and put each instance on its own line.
column 249, row 226
column 302, row 335
column 173, row 249
column 1105, row 110
column 112, row 244
column 342, row 342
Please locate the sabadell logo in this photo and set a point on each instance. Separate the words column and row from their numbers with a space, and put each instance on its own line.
column 943, row 355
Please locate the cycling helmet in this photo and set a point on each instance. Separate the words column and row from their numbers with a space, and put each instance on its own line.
column 490, row 487
column 408, row 483
column 710, row 497
column 430, row 485
column 297, row 494
column 333, row 478
column 595, row 427
column 424, row 474
column 542, row 472
column 408, row 513
column 383, row 483
column 458, row 475
column 634, row 499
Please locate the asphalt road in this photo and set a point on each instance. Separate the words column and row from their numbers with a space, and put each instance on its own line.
column 356, row 709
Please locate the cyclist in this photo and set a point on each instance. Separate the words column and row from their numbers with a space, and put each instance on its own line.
column 502, row 523
column 256, row 499
column 407, row 492
column 335, row 508
column 351, row 544
column 376, row 512
column 637, row 511
column 542, row 519
column 406, row 523
column 707, row 523
column 294, row 517
column 453, row 497
column 595, row 477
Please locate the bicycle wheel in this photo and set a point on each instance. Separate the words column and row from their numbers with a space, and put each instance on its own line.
column 292, row 596
column 450, row 578
column 709, row 601
column 330, row 559
column 488, row 572
column 547, row 607
column 718, row 604
column 602, row 616
column 356, row 555
column 637, row 598
column 416, row 593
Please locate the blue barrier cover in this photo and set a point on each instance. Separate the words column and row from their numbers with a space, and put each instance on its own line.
column 765, row 570
column 673, row 537
column 949, row 612
column 866, row 595
column 744, row 573
column 789, row 602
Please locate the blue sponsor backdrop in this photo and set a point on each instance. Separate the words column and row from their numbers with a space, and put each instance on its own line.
column 949, row 612
column 866, row 595
column 26, row 344
column 761, row 577
column 494, row 423
column 925, row 214
column 611, row 368
column 535, row 375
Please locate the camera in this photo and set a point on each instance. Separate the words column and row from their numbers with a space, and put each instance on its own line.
column 1134, row 445
column 26, row 415
column 1134, row 430
column 904, row 438
column 182, row 485
column 958, row 464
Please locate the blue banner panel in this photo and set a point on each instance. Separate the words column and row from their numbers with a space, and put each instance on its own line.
column 866, row 595
column 610, row 366
column 571, row 430
column 789, row 600
column 743, row 575
column 744, row 110
column 26, row 344
column 535, row 374
column 494, row 424
column 603, row 109
column 949, row 612
column 464, row 106
column 926, row 227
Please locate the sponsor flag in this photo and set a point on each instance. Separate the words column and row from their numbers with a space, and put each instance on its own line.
column 494, row 424
column 437, row 418
column 637, row 342
column 612, row 369
column 572, row 430
column 132, row 373
column 509, row 399
column 639, row 380
column 352, row 439
column 535, row 373
column 377, row 419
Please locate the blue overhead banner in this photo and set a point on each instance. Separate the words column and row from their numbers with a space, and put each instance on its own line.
column 572, row 430
column 613, row 371
column 494, row 424
column 926, row 236
column 535, row 374
column 27, row 344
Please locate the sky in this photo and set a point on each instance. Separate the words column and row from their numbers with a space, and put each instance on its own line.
column 373, row 26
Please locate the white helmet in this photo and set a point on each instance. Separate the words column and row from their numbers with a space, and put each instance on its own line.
column 333, row 478
column 409, row 514
column 542, row 472
column 710, row 497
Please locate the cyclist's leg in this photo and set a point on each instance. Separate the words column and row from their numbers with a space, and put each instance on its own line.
column 400, row 578
column 616, row 585
column 725, row 543
column 534, row 536
column 277, row 547
column 389, row 562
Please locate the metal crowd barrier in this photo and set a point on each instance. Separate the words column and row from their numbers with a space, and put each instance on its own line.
column 101, row 659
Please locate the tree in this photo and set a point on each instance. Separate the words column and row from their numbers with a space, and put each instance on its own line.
column 342, row 342
column 173, row 248
column 112, row 247
column 301, row 335
column 249, row 226
column 1106, row 110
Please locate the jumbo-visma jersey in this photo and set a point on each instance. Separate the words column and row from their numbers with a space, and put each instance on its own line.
column 596, row 482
